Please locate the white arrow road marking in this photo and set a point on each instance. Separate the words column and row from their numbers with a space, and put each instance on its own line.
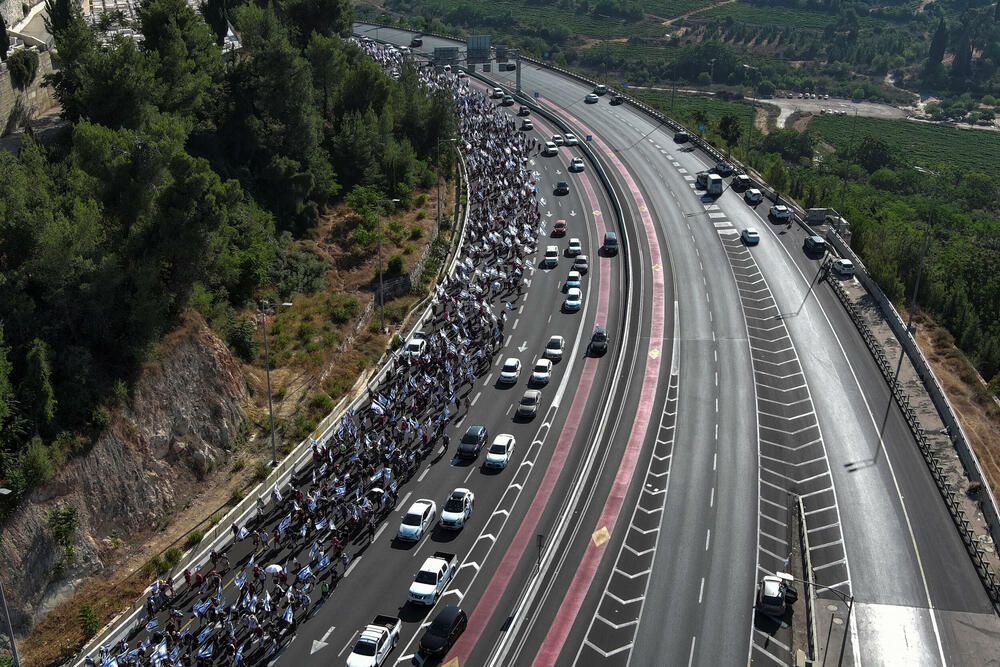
column 320, row 644
column 572, row 213
column 522, row 347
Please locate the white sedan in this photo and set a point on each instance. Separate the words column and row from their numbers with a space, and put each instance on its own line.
column 417, row 520
column 500, row 452
column 457, row 509
column 571, row 139
column 542, row 372
column 511, row 371
column 575, row 247
column 554, row 348
column 574, row 299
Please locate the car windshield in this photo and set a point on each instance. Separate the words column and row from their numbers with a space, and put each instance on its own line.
column 510, row 366
column 453, row 505
column 553, row 344
column 529, row 400
column 411, row 520
column 541, row 368
column 469, row 439
column 424, row 577
column 600, row 334
column 413, row 346
column 364, row 647
column 498, row 448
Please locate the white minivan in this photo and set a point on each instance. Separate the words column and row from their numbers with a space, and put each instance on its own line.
column 551, row 256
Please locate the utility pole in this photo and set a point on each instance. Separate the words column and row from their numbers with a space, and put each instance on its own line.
column 267, row 367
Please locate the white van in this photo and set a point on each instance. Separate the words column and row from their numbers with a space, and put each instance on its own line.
column 551, row 256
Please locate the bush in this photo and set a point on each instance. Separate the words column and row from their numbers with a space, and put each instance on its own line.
column 236, row 495
column 239, row 464
column 396, row 265
column 306, row 330
column 422, row 198
column 342, row 308
column 260, row 471
column 409, row 249
column 172, row 556
column 100, row 418
column 193, row 538
column 322, row 403
column 420, row 216
column 23, row 66
column 153, row 566
column 36, row 464
column 88, row 620
column 416, row 233
column 242, row 338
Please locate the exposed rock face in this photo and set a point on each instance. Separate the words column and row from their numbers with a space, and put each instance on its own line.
column 185, row 409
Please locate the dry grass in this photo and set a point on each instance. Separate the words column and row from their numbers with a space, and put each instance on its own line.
column 976, row 409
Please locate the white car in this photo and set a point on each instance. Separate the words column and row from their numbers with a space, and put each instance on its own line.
column 753, row 196
column 500, row 452
column 550, row 149
column 844, row 267
column 528, row 407
column 558, row 140
column 581, row 264
column 457, row 509
column 511, row 371
column 571, row 139
column 497, row 94
column 542, row 372
column 576, row 165
column 750, row 236
column 551, row 256
column 417, row 520
column 574, row 299
column 781, row 212
column 573, row 279
column 554, row 348
column 575, row 247
column 591, row 98
column 415, row 347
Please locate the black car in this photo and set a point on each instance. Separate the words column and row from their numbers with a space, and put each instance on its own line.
column 562, row 188
column 610, row 243
column 443, row 631
column 472, row 442
column 616, row 100
column 417, row 41
column 599, row 341
column 723, row 169
column 682, row 137
column 814, row 244
column 523, row 111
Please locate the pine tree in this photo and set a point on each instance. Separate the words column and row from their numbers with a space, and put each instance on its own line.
column 962, row 65
column 4, row 41
column 936, row 53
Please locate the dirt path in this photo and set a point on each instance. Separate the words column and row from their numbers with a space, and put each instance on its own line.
column 701, row 9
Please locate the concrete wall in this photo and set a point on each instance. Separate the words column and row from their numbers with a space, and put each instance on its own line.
column 36, row 100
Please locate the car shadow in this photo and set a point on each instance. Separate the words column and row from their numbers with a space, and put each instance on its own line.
column 442, row 536
column 490, row 471
column 413, row 613
column 402, row 545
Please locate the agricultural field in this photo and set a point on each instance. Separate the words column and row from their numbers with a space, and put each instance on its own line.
column 685, row 107
column 922, row 144
column 668, row 9
column 788, row 17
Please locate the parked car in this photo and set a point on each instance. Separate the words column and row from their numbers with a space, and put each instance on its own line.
column 682, row 137
column 581, row 263
column 574, row 248
column 527, row 125
column 559, row 229
column 576, row 165
column 573, row 279
column 571, row 139
column 600, row 89
column 781, row 212
column 558, row 140
column 554, row 348
column 814, row 244
column 542, row 372
column 457, row 509
column 741, row 183
column 507, row 101
column 511, row 371
column 616, row 100
column 562, row 188
column 497, row 94
column 574, row 299
column 551, row 256
column 550, row 149
column 753, row 196
column 591, row 98
column 610, row 243
column 723, row 168
column 523, row 111
column 844, row 267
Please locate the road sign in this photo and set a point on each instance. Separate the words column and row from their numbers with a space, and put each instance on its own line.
column 486, row 67
column 545, row 55
column 501, row 54
column 447, row 55
column 478, row 49
column 625, row 85
column 590, row 137
column 536, row 94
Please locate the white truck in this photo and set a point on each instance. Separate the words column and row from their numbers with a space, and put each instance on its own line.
column 376, row 642
column 715, row 185
column 432, row 578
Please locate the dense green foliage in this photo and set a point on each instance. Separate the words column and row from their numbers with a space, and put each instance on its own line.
column 185, row 181
column 889, row 203
column 23, row 66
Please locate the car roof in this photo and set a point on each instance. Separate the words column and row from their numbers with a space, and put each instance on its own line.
column 574, row 240
column 750, row 230
column 555, row 337
column 576, row 273
column 533, row 393
column 511, row 360
column 477, row 429
column 459, row 493
column 448, row 615
column 581, row 258
column 543, row 362
column 574, row 291
column 419, row 506
column 503, row 438
column 846, row 262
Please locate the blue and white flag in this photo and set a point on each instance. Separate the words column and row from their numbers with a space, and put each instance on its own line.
column 378, row 475
column 143, row 646
column 204, row 633
column 252, row 606
column 287, row 618
column 302, row 533
column 161, row 651
column 284, row 523
column 340, row 490
column 323, row 562
column 377, row 409
column 239, row 655
column 510, row 306
column 250, row 563
column 152, row 625
column 207, row 651
column 322, row 470
column 304, row 573
column 176, row 652
column 239, row 580
column 277, row 494
column 321, row 525
column 266, row 603
column 295, row 506
column 312, row 505
column 242, row 535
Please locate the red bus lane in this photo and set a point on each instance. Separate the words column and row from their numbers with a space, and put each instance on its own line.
column 483, row 611
column 569, row 609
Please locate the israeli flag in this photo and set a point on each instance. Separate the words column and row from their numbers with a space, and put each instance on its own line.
column 176, row 652
column 252, row 606
column 295, row 506
column 142, row 646
column 284, row 523
column 377, row 409
column 287, row 618
column 302, row 533
column 161, row 651
column 277, row 494
column 322, row 470
column 239, row 655
column 321, row 525
column 323, row 562
column 204, row 633
column 240, row 580
column 250, row 563
column 340, row 490
column 242, row 535
column 267, row 601
column 207, row 651
column 378, row 475
column 152, row 625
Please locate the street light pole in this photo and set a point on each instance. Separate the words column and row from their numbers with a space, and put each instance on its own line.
column 845, row 597
column 6, row 613
column 381, row 292
column 267, row 367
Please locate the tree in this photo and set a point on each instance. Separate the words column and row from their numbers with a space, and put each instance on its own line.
column 23, row 66
column 36, row 388
column 776, row 175
column 214, row 12
column 4, row 41
column 6, row 391
column 731, row 130
column 874, row 153
column 327, row 17
column 961, row 67
column 118, row 86
column 701, row 120
column 938, row 43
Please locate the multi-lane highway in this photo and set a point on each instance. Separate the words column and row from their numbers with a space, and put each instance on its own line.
column 776, row 396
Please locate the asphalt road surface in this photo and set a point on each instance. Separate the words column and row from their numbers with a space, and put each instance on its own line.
column 878, row 528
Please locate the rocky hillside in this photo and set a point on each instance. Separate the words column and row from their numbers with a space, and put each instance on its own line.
column 184, row 410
